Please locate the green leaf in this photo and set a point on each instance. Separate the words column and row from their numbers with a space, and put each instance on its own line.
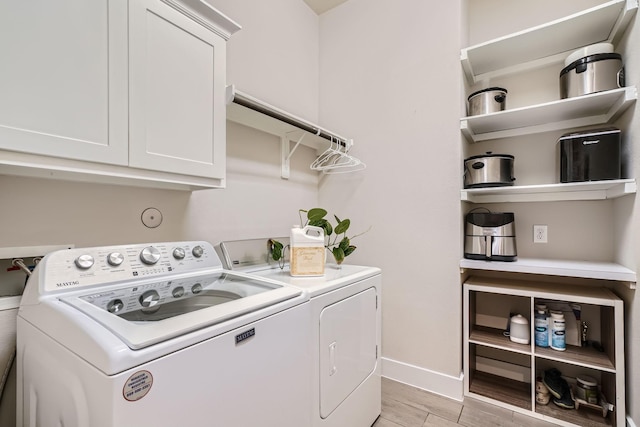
column 276, row 249
column 323, row 223
column 338, row 254
column 343, row 226
column 337, row 219
column 344, row 244
column 349, row 250
column 328, row 229
column 316, row 214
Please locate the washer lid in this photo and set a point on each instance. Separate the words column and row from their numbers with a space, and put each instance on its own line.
column 144, row 313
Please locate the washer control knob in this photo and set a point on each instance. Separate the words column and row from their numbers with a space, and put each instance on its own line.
column 84, row 262
column 197, row 288
column 115, row 306
column 197, row 251
column 179, row 253
column 149, row 298
column 150, row 255
column 115, row 258
column 178, row 292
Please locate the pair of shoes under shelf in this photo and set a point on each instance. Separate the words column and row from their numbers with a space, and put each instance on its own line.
column 542, row 392
column 566, row 401
column 559, row 388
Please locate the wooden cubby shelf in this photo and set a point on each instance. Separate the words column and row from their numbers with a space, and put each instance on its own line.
column 504, row 373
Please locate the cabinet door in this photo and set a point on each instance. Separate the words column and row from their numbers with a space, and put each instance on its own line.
column 177, row 84
column 63, row 81
column 347, row 348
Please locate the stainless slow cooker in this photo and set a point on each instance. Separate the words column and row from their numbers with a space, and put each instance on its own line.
column 590, row 74
column 488, row 170
column 486, row 101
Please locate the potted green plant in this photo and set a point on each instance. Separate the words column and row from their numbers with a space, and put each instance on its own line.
column 336, row 239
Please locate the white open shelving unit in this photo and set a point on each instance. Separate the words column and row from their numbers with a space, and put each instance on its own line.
column 549, row 43
column 486, row 350
column 526, row 50
column 593, row 109
column 561, row 268
column 591, row 190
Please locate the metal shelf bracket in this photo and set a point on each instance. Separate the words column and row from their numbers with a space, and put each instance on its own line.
column 286, row 152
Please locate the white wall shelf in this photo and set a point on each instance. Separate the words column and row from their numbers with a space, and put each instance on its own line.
column 591, row 190
column 548, row 43
column 257, row 114
column 592, row 109
column 555, row 267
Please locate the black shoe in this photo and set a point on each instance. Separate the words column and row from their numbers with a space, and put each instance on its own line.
column 566, row 401
column 555, row 383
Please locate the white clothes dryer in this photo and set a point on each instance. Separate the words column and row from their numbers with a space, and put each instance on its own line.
column 345, row 331
column 159, row 335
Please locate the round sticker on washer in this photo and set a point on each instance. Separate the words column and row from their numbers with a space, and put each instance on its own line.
column 137, row 386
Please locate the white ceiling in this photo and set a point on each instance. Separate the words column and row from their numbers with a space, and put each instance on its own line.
column 321, row 6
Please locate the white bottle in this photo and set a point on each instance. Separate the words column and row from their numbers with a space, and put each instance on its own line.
column 307, row 251
column 558, row 341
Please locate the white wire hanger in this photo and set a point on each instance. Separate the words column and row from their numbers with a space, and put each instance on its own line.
column 336, row 159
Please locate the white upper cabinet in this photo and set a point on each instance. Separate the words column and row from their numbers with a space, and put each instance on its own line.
column 63, row 91
column 177, row 92
column 114, row 91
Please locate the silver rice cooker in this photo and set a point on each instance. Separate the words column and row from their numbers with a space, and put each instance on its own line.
column 490, row 236
column 488, row 170
column 591, row 69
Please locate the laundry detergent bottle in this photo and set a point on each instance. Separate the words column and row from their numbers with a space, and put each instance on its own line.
column 307, row 251
column 557, row 327
column 541, row 325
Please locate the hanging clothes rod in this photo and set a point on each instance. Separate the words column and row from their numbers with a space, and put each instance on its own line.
column 255, row 104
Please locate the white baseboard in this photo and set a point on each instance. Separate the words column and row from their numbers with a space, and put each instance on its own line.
column 434, row 382
column 630, row 422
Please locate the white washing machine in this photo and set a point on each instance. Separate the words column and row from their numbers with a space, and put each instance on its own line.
column 345, row 332
column 160, row 335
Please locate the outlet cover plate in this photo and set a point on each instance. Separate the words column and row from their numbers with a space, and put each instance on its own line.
column 540, row 234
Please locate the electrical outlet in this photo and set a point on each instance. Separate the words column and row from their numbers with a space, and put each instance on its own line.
column 540, row 234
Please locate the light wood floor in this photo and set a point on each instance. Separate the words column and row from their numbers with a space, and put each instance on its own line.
column 406, row 406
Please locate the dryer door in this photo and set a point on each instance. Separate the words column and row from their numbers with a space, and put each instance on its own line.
column 347, row 348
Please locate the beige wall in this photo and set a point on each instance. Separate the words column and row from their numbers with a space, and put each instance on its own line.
column 390, row 77
column 274, row 58
column 391, row 80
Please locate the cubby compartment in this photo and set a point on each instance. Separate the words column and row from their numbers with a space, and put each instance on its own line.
column 585, row 415
column 598, row 351
column 489, row 320
column 501, row 375
column 503, row 372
